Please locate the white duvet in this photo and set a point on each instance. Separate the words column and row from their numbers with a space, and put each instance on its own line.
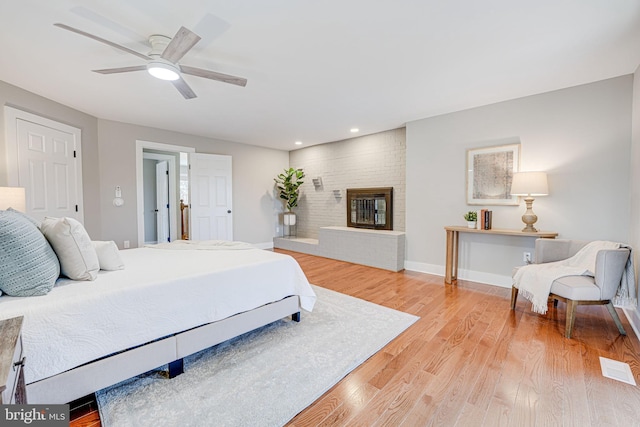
column 159, row 292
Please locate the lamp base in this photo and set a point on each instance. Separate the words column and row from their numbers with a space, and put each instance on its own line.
column 529, row 218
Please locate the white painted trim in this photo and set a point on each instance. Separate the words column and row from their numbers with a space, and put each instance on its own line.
column 140, row 146
column 421, row 267
column 264, row 245
column 11, row 115
column 634, row 320
column 473, row 276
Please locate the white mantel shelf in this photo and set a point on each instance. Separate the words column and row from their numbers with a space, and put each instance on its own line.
column 375, row 248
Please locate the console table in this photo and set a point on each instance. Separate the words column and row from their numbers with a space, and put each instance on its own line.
column 453, row 232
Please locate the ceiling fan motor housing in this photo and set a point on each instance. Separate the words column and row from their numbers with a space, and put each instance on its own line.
column 158, row 44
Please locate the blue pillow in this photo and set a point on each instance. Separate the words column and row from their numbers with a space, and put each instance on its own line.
column 28, row 265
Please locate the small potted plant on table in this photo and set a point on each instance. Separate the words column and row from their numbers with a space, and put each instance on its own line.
column 472, row 218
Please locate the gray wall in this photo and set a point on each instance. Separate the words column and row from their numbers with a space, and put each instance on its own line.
column 581, row 136
column 108, row 159
column 376, row 160
column 35, row 104
column 253, row 171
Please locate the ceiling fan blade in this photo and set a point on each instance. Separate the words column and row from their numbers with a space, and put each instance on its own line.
column 180, row 44
column 101, row 40
column 121, row 69
column 199, row 72
column 184, row 88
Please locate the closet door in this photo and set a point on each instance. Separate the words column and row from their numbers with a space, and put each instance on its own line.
column 44, row 157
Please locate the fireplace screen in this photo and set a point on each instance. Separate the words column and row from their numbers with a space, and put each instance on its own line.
column 370, row 208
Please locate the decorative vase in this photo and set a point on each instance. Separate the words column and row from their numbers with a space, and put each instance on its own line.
column 471, row 224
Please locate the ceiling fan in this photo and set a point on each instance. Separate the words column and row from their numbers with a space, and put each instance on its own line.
column 162, row 61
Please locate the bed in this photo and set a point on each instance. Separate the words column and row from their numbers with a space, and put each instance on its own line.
column 168, row 302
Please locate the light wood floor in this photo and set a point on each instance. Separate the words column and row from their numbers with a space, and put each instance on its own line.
column 469, row 360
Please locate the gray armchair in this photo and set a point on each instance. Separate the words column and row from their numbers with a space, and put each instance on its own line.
column 582, row 290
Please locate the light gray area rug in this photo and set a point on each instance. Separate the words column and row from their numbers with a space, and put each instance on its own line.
column 262, row 378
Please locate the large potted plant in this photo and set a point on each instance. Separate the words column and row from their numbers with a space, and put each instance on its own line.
column 288, row 184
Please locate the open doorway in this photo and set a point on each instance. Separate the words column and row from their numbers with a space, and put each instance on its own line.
column 162, row 180
column 159, row 182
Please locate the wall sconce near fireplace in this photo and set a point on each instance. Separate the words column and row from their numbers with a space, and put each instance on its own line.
column 337, row 194
column 317, row 182
column 529, row 184
column 13, row 197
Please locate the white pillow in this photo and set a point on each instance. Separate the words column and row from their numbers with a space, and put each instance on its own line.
column 70, row 241
column 108, row 255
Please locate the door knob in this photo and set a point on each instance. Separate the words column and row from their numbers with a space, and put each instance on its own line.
column 229, row 211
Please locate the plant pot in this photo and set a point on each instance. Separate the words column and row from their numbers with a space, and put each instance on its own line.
column 289, row 218
column 289, row 222
column 471, row 224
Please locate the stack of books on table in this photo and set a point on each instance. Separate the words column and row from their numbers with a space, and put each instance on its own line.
column 484, row 219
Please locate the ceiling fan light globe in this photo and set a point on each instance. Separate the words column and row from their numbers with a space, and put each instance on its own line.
column 163, row 71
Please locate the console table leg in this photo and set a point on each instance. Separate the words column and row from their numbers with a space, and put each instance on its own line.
column 451, row 267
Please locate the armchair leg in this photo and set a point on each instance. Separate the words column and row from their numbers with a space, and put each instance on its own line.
column 514, row 297
column 616, row 319
column 571, row 317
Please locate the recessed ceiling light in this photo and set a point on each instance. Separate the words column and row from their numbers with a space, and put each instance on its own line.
column 354, row 130
column 298, row 142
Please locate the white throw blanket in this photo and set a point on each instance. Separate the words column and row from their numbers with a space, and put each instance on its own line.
column 534, row 281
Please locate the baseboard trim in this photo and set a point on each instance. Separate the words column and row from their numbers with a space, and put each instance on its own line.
column 473, row 276
column 634, row 319
column 264, row 245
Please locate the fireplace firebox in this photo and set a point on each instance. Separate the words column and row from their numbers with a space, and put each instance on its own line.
column 370, row 208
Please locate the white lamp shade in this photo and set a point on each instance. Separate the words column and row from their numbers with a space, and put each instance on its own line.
column 529, row 184
column 13, row 197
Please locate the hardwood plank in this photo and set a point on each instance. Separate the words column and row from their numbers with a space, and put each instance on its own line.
column 470, row 360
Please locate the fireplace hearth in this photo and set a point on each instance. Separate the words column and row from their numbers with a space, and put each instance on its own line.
column 370, row 208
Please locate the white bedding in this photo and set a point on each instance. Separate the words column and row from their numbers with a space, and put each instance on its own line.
column 160, row 292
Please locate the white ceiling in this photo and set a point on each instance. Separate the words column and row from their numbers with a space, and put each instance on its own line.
column 315, row 69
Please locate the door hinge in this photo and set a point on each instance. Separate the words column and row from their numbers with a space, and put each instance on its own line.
column 74, row 154
column 167, row 205
column 76, row 208
column 167, row 172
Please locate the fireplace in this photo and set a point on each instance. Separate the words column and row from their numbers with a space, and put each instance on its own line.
column 370, row 208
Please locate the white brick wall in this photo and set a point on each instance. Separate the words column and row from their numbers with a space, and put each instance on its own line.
column 376, row 160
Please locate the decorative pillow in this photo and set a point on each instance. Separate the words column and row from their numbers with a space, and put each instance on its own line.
column 28, row 265
column 70, row 241
column 30, row 218
column 108, row 255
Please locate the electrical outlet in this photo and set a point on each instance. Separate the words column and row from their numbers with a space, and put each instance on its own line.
column 526, row 257
column 126, row 244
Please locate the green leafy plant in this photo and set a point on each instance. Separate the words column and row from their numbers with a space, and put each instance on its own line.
column 471, row 216
column 288, row 184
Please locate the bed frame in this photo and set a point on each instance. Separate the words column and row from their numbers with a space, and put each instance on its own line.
column 90, row 377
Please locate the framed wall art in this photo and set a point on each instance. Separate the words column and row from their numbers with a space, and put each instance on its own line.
column 489, row 174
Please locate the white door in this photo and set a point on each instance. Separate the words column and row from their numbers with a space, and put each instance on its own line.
column 162, row 201
column 211, row 207
column 49, row 168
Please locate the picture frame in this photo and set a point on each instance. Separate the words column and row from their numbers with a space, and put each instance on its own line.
column 490, row 173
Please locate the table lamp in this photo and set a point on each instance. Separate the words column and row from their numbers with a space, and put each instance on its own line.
column 529, row 184
column 13, row 197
